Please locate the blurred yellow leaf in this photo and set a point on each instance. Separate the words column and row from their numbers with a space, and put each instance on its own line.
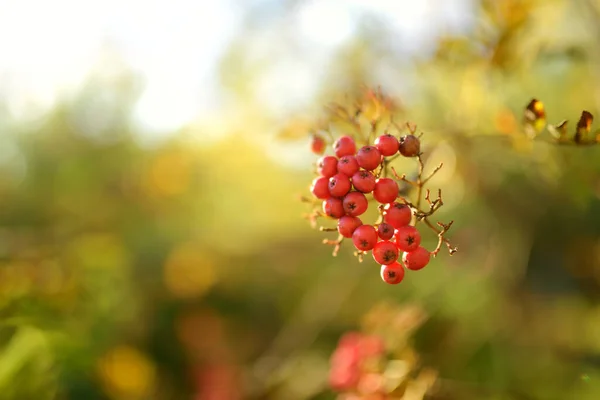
column 188, row 271
column 296, row 128
column 169, row 173
column 126, row 373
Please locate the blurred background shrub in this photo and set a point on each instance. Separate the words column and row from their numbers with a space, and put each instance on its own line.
column 151, row 241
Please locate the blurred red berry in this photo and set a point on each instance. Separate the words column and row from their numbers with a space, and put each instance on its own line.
column 347, row 165
column 317, row 144
column 408, row 238
column 347, row 225
column 385, row 191
column 368, row 157
column 344, row 146
column 339, row 185
column 392, row 274
column 385, row 231
column 385, row 252
column 364, row 237
column 363, row 181
column 416, row 259
column 397, row 215
column 333, row 207
column 344, row 378
column 371, row 346
column 327, row 166
column 320, row 187
column 409, row 146
column 387, row 145
column 350, row 339
column 355, row 203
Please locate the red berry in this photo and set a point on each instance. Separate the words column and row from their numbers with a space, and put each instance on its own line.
column 386, row 190
column 355, row 203
column 385, row 231
column 347, row 165
column 320, row 187
column 364, row 237
column 363, row 181
column 327, row 166
column 368, row 158
column 385, row 252
column 317, row 144
column 397, row 215
column 392, row 274
column 408, row 238
column 333, row 207
column 344, row 146
column 347, row 225
column 416, row 259
column 339, row 185
column 409, row 146
column 387, row 145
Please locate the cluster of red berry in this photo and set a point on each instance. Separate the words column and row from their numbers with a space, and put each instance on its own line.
column 352, row 362
column 343, row 184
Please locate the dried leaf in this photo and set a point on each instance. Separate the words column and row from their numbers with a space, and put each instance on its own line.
column 534, row 118
column 584, row 125
column 559, row 131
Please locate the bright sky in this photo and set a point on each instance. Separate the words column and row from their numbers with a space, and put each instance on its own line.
column 48, row 47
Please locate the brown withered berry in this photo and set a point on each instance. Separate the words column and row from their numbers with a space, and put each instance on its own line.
column 410, row 146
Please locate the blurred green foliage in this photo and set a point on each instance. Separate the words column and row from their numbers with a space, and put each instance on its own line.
column 183, row 269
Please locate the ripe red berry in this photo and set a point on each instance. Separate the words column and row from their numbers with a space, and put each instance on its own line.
column 416, row 259
column 397, row 215
column 385, row 252
column 387, row 145
column 386, row 190
column 355, row 203
column 317, row 144
column 385, row 231
column 408, row 238
column 333, row 207
column 368, row 157
column 327, row 166
column 363, row 181
column 344, row 146
column 339, row 185
column 392, row 274
column 409, row 146
column 320, row 187
column 364, row 237
column 347, row 225
column 347, row 165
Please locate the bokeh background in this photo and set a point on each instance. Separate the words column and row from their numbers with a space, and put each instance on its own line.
column 152, row 244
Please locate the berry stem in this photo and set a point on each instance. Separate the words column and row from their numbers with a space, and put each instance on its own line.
column 323, row 229
column 441, row 238
column 433, row 173
column 335, row 243
column 419, row 181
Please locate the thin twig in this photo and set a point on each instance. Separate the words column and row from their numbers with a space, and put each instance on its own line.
column 433, row 173
column 442, row 238
column 403, row 178
column 419, row 181
column 335, row 243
